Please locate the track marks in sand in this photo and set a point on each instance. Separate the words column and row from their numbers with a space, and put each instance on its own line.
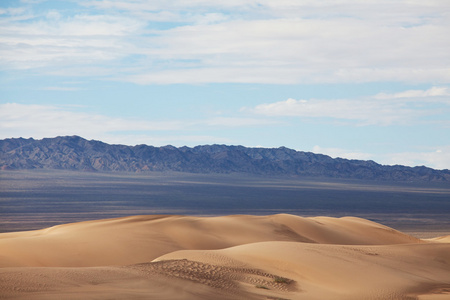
column 229, row 279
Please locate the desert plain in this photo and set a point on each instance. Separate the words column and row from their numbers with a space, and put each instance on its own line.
column 278, row 256
column 75, row 235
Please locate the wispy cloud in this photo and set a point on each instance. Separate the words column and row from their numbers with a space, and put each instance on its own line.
column 55, row 40
column 432, row 92
column 236, row 41
column 40, row 121
column 383, row 109
column 436, row 157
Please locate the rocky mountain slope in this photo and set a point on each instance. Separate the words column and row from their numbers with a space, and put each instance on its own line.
column 76, row 153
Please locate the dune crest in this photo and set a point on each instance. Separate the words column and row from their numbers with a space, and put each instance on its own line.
column 137, row 239
column 230, row 257
column 441, row 239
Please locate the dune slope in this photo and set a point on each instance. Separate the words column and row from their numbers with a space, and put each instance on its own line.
column 337, row 271
column 230, row 257
column 138, row 239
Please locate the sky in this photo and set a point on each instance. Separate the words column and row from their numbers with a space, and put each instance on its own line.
column 348, row 78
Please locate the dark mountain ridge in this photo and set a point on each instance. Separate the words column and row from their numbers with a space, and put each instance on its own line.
column 76, row 153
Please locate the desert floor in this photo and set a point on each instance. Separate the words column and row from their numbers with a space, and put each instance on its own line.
column 229, row 257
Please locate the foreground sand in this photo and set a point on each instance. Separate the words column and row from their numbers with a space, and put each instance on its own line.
column 232, row 257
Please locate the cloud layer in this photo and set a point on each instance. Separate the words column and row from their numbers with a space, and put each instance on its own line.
column 281, row 42
column 40, row 121
column 405, row 108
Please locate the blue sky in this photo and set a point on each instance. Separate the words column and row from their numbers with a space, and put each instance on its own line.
column 353, row 79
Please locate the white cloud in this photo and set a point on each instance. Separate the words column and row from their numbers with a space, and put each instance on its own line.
column 39, row 121
column 214, row 74
column 365, row 112
column 299, row 51
column 438, row 158
column 240, row 41
column 400, row 9
column 432, row 92
column 55, row 41
column 382, row 109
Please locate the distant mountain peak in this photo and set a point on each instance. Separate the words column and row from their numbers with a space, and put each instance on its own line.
column 77, row 153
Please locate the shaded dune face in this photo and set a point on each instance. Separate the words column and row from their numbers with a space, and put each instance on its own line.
column 230, row 257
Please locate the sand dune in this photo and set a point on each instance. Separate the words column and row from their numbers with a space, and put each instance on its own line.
column 231, row 257
column 139, row 239
column 336, row 271
column 442, row 239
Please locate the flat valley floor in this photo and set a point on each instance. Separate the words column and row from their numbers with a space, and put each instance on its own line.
column 38, row 199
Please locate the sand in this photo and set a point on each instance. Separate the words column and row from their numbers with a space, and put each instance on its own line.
column 231, row 257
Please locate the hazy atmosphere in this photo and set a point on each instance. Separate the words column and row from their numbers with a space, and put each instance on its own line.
column 353, row 79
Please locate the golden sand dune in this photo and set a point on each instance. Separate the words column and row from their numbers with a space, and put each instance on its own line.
column 442, row 239
column 232, row 257
column 139, row 239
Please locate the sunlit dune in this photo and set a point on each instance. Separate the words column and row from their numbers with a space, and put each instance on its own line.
column 230, row 257
column 442, row 239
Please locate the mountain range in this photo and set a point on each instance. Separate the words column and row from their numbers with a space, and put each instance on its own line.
column 76, row 153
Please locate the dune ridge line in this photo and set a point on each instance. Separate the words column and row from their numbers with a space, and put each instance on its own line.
column 227, row 257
